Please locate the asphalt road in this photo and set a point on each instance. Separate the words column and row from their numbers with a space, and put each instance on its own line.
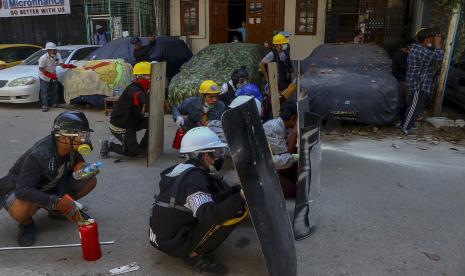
column 384, row 211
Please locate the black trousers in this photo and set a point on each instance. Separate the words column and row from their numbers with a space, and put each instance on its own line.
column 201, row 239
column 415, row 107
column 129, row 145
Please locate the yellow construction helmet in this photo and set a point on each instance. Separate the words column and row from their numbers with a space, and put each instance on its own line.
column 142, row 68
column 209, row 87
column 280, row 39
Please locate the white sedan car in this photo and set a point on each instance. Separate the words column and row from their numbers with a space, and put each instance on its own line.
column 20, row 84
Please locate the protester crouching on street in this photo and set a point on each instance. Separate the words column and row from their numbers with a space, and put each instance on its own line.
column 399, row 70
column 198, row 111
column 283, row 146
column 47, row 74
column 421, row 61
column 142, row 52
column 239, row 78
column 43, row 175
column 129, row 116
column 195, row 210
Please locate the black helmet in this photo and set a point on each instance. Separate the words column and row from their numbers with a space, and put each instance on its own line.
column 71, row 121
column 241, row 73
column 134, row 40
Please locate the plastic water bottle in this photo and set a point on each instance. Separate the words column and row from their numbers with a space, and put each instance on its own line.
column 87, row 170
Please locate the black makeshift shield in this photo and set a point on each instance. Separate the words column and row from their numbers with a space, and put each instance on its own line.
column 254, row 164
column 306, row 212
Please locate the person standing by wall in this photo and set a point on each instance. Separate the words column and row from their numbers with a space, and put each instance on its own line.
column 100, row 38
column 423, row 57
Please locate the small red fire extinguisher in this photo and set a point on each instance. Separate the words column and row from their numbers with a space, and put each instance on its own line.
column 178, row 138
column 90, row 244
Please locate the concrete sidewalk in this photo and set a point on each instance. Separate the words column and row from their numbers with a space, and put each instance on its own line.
column 383, row 210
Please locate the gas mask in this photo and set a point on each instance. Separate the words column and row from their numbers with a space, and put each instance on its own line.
column 85, row 147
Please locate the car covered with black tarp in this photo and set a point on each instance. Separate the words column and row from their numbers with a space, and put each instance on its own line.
column 351, row 82
column 170, row 49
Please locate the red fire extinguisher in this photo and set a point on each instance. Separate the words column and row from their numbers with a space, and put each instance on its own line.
column 178, row 138
column 90, row 244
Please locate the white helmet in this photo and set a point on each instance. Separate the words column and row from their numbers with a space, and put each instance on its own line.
column 200, row 139
column 98, row 27
column 243, row 99
column 50, row 46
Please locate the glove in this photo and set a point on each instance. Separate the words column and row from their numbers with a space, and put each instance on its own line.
column 180, row 121
column 69, row 66
column 67, row 206
column 295, row 156
column 50, row 75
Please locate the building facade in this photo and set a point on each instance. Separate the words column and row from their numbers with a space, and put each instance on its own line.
column 206, row 22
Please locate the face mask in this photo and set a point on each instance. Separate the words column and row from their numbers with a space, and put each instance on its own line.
column 285, row 46
column 429, row 45
column 240, row 84
column 218, row 164
column 145, row 83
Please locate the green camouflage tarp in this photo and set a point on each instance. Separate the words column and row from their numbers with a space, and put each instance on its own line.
column 216, row 62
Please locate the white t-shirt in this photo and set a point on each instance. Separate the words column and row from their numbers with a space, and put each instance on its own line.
column 49, row 64
column 269, row 57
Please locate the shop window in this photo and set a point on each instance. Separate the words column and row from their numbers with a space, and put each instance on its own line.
column 189, row 17
column 306, row 17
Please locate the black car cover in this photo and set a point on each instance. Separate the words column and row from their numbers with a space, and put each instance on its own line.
column 351, row 82
column 170, row 49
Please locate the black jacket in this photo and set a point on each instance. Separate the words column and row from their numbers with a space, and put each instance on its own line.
column 127, row 112
column 171, row 226
column 399, row 65
column 40, row 175
column 143, row 53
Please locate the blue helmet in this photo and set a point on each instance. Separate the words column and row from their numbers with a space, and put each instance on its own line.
column 250, row 90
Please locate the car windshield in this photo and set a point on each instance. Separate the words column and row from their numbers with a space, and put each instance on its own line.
column 34, row 58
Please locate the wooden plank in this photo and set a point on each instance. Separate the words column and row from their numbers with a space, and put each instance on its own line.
column 450, row 42
column 274, row 91
column 156, row 112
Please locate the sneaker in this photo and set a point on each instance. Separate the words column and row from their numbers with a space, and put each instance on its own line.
column 27, row 234
column 205, row 263
column 408, row 132
column 45, row 109
column 104, row 149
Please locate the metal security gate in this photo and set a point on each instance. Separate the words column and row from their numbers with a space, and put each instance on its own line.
column 384, row 22
column 124, row 17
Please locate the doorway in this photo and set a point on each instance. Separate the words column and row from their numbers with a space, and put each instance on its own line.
column 236, row 15
column 262, row 17
column 102, row 21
